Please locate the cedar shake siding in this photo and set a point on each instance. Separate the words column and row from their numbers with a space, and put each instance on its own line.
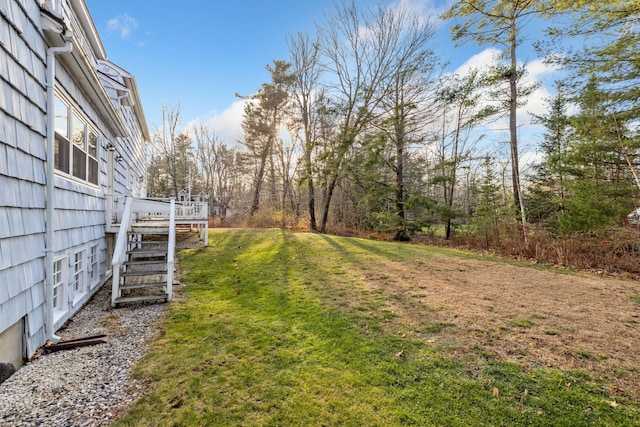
column 96, row 107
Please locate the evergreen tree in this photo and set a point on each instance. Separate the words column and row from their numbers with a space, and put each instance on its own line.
column 261, row 123
column 601, row 189
column 548, row 191
column 500, row 22
column 490, row 207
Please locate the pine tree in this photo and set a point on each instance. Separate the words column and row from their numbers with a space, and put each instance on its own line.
column 548, row 191
column 490, row 208
column 601, row 189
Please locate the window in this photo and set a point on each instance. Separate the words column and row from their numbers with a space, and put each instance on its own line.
column 61, row 126
column 59, row 287
column 76, row 143
column 94, row 269
column 78, row 278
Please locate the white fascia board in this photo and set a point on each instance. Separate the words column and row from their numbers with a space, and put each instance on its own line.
column 84, row 17
column 87, row 77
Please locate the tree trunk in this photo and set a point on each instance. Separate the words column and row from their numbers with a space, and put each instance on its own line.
column 401, row 232
column 310, row 188
column 255, row 204
column 326, row 204
column 513, row 130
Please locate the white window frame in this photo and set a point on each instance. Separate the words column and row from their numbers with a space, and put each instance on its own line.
column 78, row 274
column 60, row 288
column 93, row 265
column 68, row 127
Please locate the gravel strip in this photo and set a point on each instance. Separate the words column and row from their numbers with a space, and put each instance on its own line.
column 87, row 386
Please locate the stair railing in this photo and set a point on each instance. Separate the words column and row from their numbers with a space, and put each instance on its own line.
column 171, row 249
column 120, row 250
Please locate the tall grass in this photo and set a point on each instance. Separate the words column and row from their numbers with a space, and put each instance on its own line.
column 611, row 250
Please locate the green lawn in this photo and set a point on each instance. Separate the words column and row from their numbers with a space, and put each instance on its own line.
column 278, row 328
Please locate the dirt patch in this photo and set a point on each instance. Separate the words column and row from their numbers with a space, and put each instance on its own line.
column 481, row 309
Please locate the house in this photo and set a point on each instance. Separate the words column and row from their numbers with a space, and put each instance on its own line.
column 186, row 195
column 72, row 145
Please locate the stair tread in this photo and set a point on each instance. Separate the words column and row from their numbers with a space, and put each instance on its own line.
column 143, row 261
column 144, row 250
column 144, row 272
column 148, row 241
column 158, row 297
column 148, row 254
column 144, row 285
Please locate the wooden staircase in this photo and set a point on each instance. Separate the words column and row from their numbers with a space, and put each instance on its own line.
column 144, row 273
column 143, row 257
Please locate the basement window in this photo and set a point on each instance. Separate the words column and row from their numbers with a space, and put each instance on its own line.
column 94, row 265
column 59, row 288
column 79, row 275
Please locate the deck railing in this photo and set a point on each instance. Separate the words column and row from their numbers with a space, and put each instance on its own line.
column 120, row 250
column 145, row 209
column 134, row 209
column 171, row 249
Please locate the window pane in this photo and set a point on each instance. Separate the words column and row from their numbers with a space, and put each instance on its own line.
column 61, row 150
column 77, row 132
column 94, row 262
column 93, row 142
column 79, row 163
column 93, row 171
column 60, row 117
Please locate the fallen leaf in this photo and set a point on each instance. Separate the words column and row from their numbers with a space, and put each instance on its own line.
column 613, row 404
column 496, row 392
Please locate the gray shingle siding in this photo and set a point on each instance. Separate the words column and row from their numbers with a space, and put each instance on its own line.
column 22, row 176
column 78, row 220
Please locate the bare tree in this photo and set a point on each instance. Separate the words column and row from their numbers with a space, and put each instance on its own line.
column 164, row 141
column 358, row 53
column 207, row 143
column 287, row 154
column 304, row 54
column 406, row 106
column 461, row 108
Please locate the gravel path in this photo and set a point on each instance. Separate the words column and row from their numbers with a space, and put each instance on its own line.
column 88, row 386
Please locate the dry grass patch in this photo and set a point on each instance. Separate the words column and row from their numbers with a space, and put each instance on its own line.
column 536, row 317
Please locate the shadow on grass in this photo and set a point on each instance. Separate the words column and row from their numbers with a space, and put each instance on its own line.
column 259, row 341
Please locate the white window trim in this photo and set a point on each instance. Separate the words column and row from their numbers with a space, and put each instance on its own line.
column 88, row 128
column 82, row 275
column 93, row 266
column 60, row 309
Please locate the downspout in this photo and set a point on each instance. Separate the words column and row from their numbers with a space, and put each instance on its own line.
column 51, row 76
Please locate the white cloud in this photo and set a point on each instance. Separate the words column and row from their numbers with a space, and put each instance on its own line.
column 424, row 9
column 228, row 124
column 537, row 71
column 479, row 61
column 123, row 24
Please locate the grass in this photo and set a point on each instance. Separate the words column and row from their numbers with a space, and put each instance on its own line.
column 522, row 323
column 278, row 328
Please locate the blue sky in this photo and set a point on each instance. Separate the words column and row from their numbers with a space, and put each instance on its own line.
column 202, row 52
